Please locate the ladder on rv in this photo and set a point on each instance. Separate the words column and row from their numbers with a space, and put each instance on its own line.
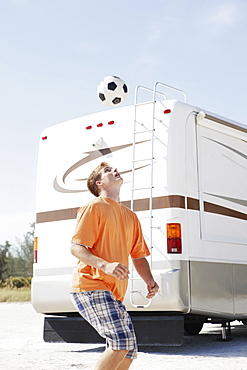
column 139, row 129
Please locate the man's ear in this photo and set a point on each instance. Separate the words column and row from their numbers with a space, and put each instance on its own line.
column 99, row 183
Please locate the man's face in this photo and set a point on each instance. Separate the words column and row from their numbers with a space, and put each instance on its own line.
column 110, row 177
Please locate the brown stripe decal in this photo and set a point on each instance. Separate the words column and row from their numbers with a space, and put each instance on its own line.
column 169, row 201
column 219, row 210
column 59, row 215
column 193, row 204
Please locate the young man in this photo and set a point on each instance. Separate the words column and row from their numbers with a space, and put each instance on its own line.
column 106, row 234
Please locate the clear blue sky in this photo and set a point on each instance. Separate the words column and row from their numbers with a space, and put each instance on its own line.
column 53, row 53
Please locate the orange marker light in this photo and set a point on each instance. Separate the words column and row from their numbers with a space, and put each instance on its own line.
column 35, row 250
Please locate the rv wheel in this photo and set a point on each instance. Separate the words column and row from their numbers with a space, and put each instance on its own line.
column 193, row 328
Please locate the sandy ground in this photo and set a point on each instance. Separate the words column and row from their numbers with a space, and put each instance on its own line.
column 22, row 347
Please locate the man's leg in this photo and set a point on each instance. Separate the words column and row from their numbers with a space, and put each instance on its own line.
column 113, row 360
column 110, row 318
column 125, row 364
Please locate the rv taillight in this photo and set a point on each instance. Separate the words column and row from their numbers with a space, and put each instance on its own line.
column 88, row 127
column 111, row 123
column 99, row 124
column 44, row 138
column 35, row 250
column 174, row 241
column 167, row 111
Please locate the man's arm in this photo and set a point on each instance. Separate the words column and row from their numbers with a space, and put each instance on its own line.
column 115, row 269
column 143, row 269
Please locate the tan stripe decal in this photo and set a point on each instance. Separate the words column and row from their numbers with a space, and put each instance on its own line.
column 219, row 210
column 169, row 201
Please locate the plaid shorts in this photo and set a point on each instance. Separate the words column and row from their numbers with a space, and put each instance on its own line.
column 109, row 317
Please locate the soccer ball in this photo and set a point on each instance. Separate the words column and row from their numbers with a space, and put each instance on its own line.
column 112, row 91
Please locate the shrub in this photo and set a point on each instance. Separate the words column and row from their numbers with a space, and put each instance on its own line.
column 18, row 282
column 29, row 280
column 2, row 283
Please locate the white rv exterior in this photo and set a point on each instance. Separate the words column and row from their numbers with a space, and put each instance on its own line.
column 182, row 167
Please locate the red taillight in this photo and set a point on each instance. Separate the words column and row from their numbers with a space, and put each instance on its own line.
column 174, row 246
column 44, row 137
column 99, row 124
column 174, row 240
column 35, row 250
column 88, row 127
column 111, row 123
column 167, row 111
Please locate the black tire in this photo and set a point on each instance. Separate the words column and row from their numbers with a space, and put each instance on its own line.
column 193, row 328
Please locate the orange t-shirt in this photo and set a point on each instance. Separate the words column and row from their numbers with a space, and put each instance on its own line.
column 112, row 232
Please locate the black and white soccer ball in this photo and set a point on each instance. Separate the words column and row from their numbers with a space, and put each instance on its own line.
column 112, row 91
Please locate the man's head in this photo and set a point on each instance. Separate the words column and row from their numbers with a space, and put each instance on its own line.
column 94, row 177
column 103, row 176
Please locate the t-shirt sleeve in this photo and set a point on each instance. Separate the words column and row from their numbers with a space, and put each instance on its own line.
column 140, row 248
column 87, row 227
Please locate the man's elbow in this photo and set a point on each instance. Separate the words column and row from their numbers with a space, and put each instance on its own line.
column 73, row 249
column 78, row 250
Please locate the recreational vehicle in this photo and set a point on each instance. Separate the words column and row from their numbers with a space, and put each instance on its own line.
column 185, row 176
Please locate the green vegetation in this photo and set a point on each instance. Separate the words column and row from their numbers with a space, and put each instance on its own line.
column 16, row 269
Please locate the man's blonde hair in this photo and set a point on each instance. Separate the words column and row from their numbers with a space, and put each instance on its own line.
column 94, row 177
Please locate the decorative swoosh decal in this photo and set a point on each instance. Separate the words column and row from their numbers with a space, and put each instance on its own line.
column 64, row 190
column 228, row 147
column 122, row 172
column 90, row 157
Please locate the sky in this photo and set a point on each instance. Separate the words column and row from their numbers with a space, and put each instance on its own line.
column 53, row 54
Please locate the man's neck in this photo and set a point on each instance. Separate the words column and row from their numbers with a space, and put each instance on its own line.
column 113, row 195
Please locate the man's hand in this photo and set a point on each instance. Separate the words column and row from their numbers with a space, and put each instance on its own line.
column 153, row 288
column 143, row 269
column 117, row 270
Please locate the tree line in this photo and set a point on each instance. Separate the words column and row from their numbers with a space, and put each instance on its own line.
column 17, row 260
